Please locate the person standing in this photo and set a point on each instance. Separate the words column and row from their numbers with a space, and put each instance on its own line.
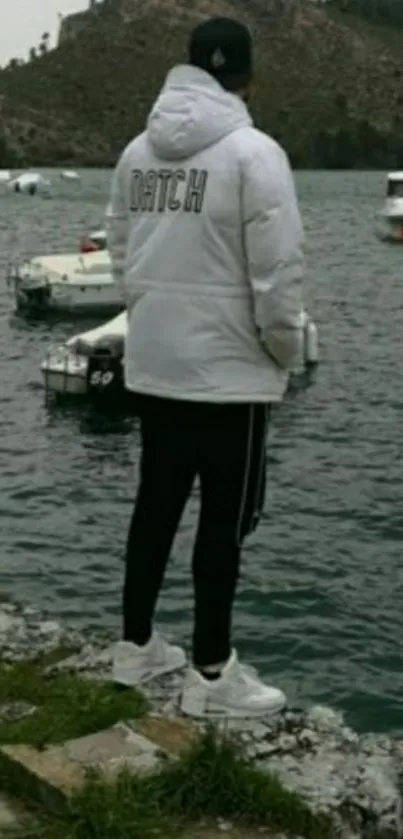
column 206, row 243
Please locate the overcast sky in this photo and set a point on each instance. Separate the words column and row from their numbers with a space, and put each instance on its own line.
column 22, row 23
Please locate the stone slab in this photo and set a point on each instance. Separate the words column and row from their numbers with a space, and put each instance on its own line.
column 112, row 750
column 46, row 777
column 172, row 735
column 51, row 775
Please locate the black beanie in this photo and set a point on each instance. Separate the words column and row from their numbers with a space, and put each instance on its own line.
column 222, row 47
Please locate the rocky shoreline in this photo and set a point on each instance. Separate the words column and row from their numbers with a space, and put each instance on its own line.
column 357, row 779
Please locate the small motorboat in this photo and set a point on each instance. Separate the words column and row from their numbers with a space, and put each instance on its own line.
column 30, row 183
column 70, row 175
column 88, row 363
column 95, row 241
column 91, row 363
column 390, row 219
column 79, row 283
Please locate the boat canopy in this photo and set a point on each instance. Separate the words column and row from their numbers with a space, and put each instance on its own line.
column 115, row 328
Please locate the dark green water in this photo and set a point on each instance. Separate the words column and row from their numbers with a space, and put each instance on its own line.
column 320, row 605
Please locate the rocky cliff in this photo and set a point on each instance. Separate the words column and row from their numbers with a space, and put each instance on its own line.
column 327, row 774
column 328, row 86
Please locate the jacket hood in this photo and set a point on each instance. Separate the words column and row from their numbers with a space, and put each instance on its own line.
column 192, row 112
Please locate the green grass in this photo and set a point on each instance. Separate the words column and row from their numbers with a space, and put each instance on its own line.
column 211, row 780
column 66, row 706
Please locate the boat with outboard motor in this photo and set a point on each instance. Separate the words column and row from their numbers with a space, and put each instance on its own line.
column 91, row 363
column 390, row 219
column 79, row 283
column 30, row 183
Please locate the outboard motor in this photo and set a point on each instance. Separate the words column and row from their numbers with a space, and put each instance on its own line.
column 311, row 346
column 105, row 370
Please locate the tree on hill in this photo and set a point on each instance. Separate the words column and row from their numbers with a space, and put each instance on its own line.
column 44, row 43
column 14, row 63
column 9, row 157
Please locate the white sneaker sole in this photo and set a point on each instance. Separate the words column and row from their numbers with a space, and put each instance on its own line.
column 146, row 676
column 216, row 711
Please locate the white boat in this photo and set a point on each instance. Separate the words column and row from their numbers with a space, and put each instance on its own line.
column 30, row 183
column 91, row 363
column 390, row 219
column 80, row 283
column 70, row 175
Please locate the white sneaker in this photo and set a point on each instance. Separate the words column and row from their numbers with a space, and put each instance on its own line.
column 237, row 693
column 133, row 665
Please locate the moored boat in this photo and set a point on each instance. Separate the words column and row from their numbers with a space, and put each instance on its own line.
column 90, row 363
column 30, row 183
column 70, row 175
column 80, row 283
column 390, row 219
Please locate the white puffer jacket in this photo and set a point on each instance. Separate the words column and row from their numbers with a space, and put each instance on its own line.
column 206, row 242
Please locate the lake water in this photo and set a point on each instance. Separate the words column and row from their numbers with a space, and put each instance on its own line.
column 320, row 603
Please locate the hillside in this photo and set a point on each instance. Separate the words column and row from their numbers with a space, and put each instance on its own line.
column 330, row 89
column 389, row 12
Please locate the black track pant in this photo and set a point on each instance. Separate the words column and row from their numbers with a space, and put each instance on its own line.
column 224, row 445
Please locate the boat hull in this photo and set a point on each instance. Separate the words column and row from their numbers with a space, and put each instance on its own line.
column 65, row 372
column 64, row 383
column 99, row 376
column 67, row 298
